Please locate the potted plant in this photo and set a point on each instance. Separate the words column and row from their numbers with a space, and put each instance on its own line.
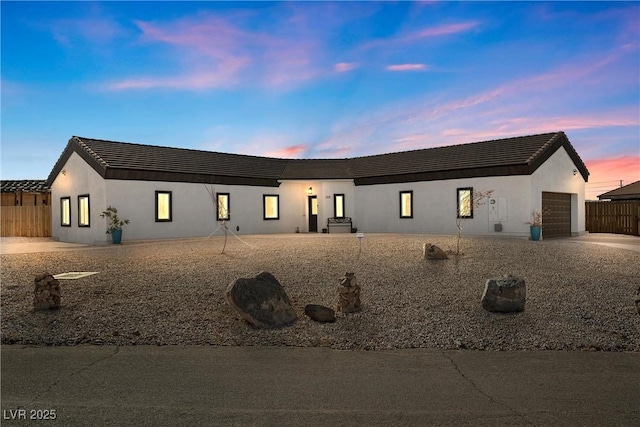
column 535, row 226
column 115, row 224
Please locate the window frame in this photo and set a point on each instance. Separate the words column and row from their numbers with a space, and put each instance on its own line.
column 80, row 211
column 66, row 199
column 335, row 205
column 458, row 204
column 264, row 207
column 157, row 212
column 228, row 216
column 410, row 193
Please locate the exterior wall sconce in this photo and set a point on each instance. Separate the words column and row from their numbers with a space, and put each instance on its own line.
column 575, row 172
column 310, row 191
column 64, row 172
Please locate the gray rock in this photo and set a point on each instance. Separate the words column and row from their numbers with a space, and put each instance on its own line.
column 638, row 300
column 261, row 301
column 433, row 252
column 320, row 313
column 505, row 295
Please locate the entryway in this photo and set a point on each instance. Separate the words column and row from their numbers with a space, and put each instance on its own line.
column 556, row 214
column 313, row 214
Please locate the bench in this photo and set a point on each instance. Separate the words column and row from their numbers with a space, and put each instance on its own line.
column 339, row 225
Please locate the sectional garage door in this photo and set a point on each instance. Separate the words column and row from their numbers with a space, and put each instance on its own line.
column 556, row 215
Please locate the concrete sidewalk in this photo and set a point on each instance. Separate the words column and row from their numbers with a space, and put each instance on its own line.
column 153, row 386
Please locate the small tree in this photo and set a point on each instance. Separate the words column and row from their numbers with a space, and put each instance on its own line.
column 115, row 223
column 217, row 207
column 471, row 200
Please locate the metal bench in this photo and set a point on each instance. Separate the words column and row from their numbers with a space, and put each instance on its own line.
column 339, row 225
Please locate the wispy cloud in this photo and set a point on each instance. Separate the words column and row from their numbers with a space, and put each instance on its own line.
column 607, row 172
column 342, row 67
column 407, row 67
column 293, row 151
column 422, row 34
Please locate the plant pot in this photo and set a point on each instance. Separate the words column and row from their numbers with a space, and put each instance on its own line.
column 535, row 230
column 116, row 237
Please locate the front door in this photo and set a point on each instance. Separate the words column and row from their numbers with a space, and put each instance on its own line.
column 313, row 214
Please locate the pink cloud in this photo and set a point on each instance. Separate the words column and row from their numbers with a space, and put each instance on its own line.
column 293, row 151
column 407, row 67
column 429, row 32
column 606, row 174
column 342, row 67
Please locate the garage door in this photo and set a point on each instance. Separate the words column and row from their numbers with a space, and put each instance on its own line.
column 556, row 215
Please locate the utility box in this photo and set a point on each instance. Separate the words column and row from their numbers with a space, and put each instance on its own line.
column 497, row 227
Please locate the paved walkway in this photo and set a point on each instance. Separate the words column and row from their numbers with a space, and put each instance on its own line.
column 156, row 386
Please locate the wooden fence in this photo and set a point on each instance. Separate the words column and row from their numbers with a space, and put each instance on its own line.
column 620, row 217
column 25, row 221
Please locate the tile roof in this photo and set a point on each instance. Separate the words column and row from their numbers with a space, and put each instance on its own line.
column 628, row 192
column 510, row 156
column 24, row 185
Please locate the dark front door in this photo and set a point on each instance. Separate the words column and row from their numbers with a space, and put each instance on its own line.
column 313, row 214
column 556, row 215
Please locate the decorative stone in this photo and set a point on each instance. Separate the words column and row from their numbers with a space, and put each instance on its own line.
column 349, row 294
column 433, row 252
column 638, row 300
column 261, row 301
column 46, row 294
column 320, row 313
column 504, row 295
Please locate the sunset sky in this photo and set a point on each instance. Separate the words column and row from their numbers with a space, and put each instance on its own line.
column 321, row 79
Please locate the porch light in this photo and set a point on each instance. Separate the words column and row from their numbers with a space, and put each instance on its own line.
column 310, row 191
column 575, row 172
column 64, row 172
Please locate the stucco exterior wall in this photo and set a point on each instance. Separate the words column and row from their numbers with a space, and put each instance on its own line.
column 435, row 206
column 79, row 179
column 557, row 175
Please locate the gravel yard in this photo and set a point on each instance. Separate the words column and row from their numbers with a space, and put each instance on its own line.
column 579, row 296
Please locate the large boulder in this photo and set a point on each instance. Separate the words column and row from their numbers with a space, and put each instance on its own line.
column 261, row 301
column 320, row 313
column 433, row 252
column 504, row 295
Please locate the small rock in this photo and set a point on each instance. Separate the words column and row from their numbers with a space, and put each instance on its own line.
column 433, row 252
column 504, row 295
column 349, row 294
column 261, row 301
column 638, row 300
column 320, row 313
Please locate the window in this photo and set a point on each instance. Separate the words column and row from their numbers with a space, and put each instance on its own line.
column 406, row 204
column 65, row 211
column 338, row 205
column 271, row 204
column 163, row 206
column 465, row 202
column 222, row 206
column 83, row 211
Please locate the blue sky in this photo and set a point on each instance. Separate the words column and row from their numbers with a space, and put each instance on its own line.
column 320, row 79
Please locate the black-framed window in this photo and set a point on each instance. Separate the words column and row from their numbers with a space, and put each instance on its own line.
column 84, row 212
column 163, row 206
column 271, row 206
column 222, row 206
column 65, row 211
column 338, row 205
column 465, row 202
column 406, row 204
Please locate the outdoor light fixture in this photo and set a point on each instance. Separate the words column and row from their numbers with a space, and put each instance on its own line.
column 64, row 172
column 310, row 190
column 575, row 172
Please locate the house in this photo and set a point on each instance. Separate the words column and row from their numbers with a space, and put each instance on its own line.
column 628, row 192
column 165, row 192
column 24, row 192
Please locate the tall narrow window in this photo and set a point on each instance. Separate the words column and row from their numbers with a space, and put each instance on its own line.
column 271, row 204
column 83, row 211
column 406, row 204
column 65, row 211
column 163, row 206
column 338, row 205
column 222, row 206
column 465, row 202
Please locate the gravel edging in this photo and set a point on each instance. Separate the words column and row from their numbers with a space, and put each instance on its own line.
column 579, row 296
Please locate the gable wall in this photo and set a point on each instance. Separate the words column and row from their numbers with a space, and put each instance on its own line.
column 80, row 179
column 556, row 175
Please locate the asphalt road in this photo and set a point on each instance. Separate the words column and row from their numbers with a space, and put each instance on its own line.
column 274, row 386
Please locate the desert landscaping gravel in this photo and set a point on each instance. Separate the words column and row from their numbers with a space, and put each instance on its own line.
column 579, row 296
